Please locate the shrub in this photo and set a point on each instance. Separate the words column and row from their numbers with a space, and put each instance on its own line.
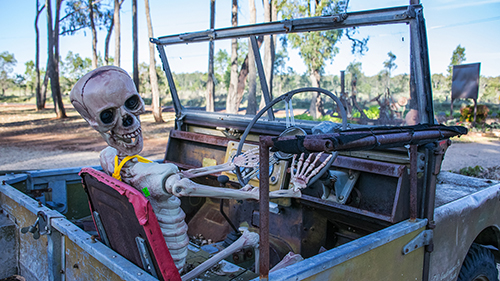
column 471, row 171
column 467, row 113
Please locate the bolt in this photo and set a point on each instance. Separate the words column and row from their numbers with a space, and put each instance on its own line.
column 75, row 266
column 422, row 157
column 61, row 271
column 236, row 258
column 341, row 197
column 3, row 182
column 139, row 273
column 93, row 238
column 406, row 251
column 249, row 254
column 39, row 203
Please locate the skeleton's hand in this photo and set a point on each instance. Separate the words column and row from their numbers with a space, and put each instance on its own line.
column 305, row 170
column 249, row 159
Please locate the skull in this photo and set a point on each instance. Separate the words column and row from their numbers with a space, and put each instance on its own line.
column 107, row 99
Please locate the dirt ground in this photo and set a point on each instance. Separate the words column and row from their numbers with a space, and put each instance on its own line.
column 31, row 140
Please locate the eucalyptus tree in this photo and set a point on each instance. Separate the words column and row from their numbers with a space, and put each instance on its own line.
column 390, row 65
column 457, row 57
column 53, row 56
column 81, row 15
column 7, row 62
column 153, row 78
column 39, row 94
column 231, row 101
column 316, row 48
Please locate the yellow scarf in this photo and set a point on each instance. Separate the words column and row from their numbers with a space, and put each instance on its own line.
column 118, row 168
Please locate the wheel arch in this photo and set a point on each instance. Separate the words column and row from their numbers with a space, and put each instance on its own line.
column 490, row 237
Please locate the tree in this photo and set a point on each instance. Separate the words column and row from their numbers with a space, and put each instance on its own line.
column 210, row 94
column 81, row 15
column 231, row 101
column 40, row 99
column 53, row 57
column 135, row 46
column 7, row 62
column 153, row 78
column 74, row 66
column 252, row 71
column 458, row 57
column 389, row 66
column 315, row 47
column 270, row 14
column 222, row 66
column 116, row 21
column 110, row 23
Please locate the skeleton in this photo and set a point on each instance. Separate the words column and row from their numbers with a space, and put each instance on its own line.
column 107, row 99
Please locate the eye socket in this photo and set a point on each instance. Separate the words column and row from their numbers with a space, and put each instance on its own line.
column 132, row 103
column 107, row 116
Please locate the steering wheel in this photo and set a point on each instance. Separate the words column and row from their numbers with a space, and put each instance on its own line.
column 290, row 123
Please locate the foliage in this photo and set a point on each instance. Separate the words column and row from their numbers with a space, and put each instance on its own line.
column 471, row 171
column 77, row 16
column 389, row 63
column 306, row 116
column 7, row 62
column 222, row 63
column 74, row 66
column 316, row 48
column 458, row 57
column 373, row 112
column 467, row 113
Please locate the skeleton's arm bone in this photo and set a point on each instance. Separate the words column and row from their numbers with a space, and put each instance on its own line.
column 247, row 239
column 185, row 187
column 198, row 172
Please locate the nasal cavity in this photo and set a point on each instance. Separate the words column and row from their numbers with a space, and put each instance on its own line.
column 127, row 121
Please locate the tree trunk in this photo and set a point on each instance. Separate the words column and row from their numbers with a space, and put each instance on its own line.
column 45, row 84
column 268, row 52
column 53, row 58
column 210, row 95
column 231, row 102
column 40, row 102
column 244, row 72
column 252, row 71
column 106, row 41
column 153, row 78
column 242, row 77
column 316, row 103
column 94, row 35
column 135, row 52
column 116, row 20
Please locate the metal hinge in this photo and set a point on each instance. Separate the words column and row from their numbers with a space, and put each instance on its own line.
column 147, row 262
column 422, row 239
column 42, row 225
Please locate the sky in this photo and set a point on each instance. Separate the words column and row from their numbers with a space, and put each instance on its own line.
column 475, row 25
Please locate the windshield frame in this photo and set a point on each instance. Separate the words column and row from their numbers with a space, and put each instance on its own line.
column 412, row 15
